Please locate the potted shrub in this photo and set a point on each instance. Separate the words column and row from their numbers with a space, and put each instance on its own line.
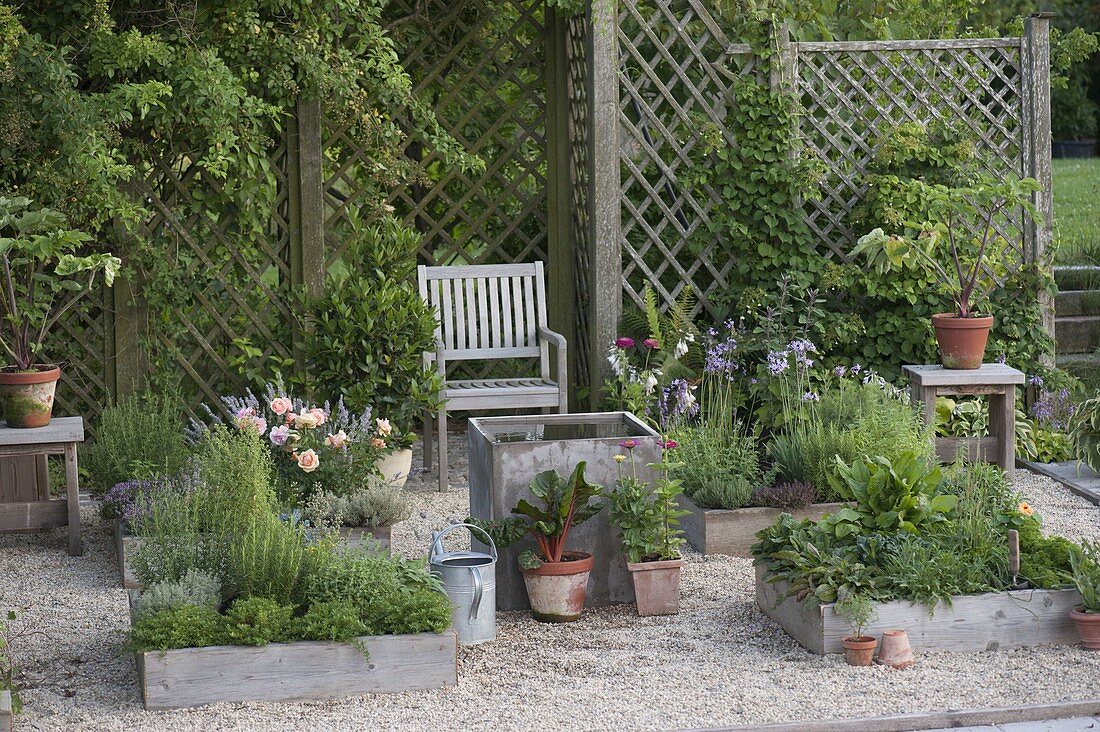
column 40, row 280
column 1085, row 561
column 556, row 579
column 648, row 517
column 859, row 612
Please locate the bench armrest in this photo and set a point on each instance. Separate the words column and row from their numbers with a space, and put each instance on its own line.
column 556, row 338
column 563, row 360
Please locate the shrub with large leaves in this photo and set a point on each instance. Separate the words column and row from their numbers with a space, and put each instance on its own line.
column 889, row 496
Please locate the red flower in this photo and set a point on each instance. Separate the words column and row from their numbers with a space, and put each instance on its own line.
column 651, row 343
column 628, row 444
column 624, row 342
column 670, row 444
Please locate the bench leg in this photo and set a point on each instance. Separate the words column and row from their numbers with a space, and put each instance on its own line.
column 427, row 440
column 441, row 438
column 1002, row 424
column 72, row 487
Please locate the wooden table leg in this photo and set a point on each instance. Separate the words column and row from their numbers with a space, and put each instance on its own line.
column 1002, row 425
column 72, row 488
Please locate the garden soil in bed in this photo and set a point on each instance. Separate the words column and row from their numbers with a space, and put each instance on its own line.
column 720, row 662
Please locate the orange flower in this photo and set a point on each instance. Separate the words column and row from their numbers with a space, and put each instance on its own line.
column 1025, row 508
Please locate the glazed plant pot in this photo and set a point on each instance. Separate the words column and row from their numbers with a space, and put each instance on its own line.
column 556, row 590
column 26, row 397
column 859, row 651
column 656, row 586
column 961, row 340
column 395, row 466
column 1088, row 627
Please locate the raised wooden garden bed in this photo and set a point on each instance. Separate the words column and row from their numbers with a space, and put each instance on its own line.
column 6, row 723
column 733, row 531
column 1010, row 619
column 290, row 672
column 126, row 544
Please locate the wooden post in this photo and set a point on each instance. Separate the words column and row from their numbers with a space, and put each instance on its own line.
column 560, row 260
column 783, row 65
column 605, row 288
column 305, row 178
column 1040, row 233
column 129, row 321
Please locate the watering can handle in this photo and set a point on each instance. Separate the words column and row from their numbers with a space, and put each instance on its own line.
column 476, row 571
column 437, row 539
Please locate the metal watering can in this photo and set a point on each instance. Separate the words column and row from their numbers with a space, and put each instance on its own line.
column 470, row 581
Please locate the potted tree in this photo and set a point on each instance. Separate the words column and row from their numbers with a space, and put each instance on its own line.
column 858, row 610
column 1085, row 562
column 648, row 517
column 40, row 280
column 958, row 246
column 556, row 579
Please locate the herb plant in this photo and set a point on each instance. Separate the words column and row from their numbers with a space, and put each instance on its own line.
column 647, row 515
column 1085, row 561
column 138, row 437
column 858, row 611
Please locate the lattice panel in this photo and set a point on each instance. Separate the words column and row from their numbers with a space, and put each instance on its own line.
column 483, row 66
column 79, row 340
column 854, row 92
column 234, row 282
column 673, row 72
column 578, row 174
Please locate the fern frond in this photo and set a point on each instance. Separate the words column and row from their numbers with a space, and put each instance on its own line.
column 652, row 313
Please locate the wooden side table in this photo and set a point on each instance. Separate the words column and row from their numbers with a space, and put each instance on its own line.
column 995, row 380
column 60, row 437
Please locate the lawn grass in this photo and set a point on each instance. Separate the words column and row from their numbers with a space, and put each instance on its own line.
column 1077, row 211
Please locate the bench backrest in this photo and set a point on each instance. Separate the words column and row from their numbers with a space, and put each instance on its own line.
column 486, row 311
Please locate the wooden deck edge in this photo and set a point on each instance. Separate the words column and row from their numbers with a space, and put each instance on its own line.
column 928, row 720
column 1075, row 486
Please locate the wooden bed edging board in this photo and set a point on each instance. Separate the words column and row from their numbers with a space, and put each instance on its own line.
column 733, row 531
column 301, row 671
column 126, row 544
column 6, row 721
column 986, row 622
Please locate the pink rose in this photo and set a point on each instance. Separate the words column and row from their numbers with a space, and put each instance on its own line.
column 338, row 440
column 308, row 461
column 378, row 442
column 281, row 405
column 384, row 427
column 319, row 414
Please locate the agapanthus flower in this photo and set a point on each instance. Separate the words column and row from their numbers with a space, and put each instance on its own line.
column 778, row 361
column 840, row 371
column 811, row 396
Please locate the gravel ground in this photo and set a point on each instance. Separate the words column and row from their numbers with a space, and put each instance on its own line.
column 719, row 662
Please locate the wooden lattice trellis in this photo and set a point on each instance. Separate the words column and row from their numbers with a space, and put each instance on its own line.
column 673, row 64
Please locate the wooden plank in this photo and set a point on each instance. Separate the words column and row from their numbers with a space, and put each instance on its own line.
column 60, row 429
column 72, row 488
column 476, row 354
column 987, row 374
column 461, row 271
column 605, row 259
column 896, row 45
column 974, row 449
column 985, row 622
column 32, row 515
column 125, row 547
column 310, row 267
column 732, row 532
column 496, row 336
column 303, row 671
column 6, row 724
column 23, row 477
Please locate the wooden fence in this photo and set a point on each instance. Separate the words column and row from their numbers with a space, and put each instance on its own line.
column 585, row 124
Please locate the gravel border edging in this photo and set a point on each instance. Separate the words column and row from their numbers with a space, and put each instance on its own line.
column 930, row 720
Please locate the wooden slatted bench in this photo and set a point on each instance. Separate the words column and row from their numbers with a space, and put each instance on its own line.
column 20, row 512
column 484, row 313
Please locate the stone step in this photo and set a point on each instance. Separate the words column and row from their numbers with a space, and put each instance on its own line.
column 1077, row 333
column 1077, row 277
column 1077, row 302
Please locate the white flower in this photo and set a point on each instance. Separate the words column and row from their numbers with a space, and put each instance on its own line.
column 614, row 357
column 650, row 383
column 682, row 345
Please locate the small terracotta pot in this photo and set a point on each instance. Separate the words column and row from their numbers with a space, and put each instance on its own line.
column 1088, row 627
column 26, row 397
column 656, row 586
column 896, row 651
column 859, row 651
column 557, row 590
column 961, row 340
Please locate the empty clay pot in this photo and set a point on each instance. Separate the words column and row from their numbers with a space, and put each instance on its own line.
column 1088, row 627
column 895, row 651
column 859, row 651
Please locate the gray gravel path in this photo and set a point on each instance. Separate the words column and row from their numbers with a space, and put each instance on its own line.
column 720, row 662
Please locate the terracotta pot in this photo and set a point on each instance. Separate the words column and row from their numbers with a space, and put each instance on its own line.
column 1088, row 627
column 26, row 397
column 859, row 651
column 896, row 651
column 557, row 590
column 961, row 340
column 656, row 586
column 395, row 466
